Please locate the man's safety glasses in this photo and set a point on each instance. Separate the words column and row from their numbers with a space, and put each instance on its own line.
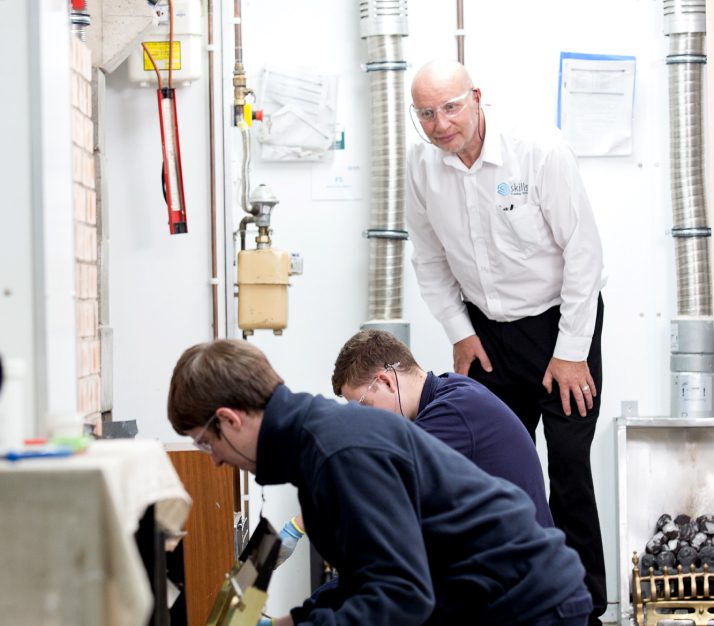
column 450, row 108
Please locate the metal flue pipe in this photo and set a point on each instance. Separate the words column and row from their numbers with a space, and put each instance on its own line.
column 383, row 24
column 685, row 27
column 692, row 332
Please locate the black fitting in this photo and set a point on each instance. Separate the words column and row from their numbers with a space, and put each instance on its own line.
column 381, row 66
column 701, row 231
column 381, row 233
column 674, row 59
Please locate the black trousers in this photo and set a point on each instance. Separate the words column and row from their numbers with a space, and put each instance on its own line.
column 520, row 352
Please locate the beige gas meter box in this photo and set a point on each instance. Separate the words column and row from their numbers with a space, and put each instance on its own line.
column 263, row 289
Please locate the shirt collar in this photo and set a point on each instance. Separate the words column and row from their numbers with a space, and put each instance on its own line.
column 491, row 150
column 427, row 392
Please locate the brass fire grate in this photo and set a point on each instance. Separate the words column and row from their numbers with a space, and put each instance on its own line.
column 684, row 597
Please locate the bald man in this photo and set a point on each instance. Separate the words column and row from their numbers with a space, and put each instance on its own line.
column 508, row 259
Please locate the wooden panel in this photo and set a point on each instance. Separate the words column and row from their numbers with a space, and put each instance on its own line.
column 208, row 546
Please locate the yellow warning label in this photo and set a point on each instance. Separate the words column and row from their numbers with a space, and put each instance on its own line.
column 160, row 51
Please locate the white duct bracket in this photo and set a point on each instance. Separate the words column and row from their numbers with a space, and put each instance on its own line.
column 383, row 18
column 117, row 27
column 684, row 16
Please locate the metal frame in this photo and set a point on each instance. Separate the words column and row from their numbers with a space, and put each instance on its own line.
column 623, row 425
column 677, row 591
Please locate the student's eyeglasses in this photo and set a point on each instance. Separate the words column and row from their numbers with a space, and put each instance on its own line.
column 204, row 446
column 366, row 391
column 450, row 108
column 387, row 367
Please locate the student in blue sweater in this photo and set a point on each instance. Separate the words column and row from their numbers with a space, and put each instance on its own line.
column 374, row 368
column 418, row 533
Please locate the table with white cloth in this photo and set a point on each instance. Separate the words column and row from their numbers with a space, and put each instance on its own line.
column 67, row 549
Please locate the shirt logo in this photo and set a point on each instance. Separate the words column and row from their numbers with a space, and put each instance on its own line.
column 514, row 189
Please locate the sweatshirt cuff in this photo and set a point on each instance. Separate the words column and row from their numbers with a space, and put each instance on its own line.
column 572, row 348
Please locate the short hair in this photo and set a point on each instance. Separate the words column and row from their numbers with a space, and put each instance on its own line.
column 223, row 373
column 365, row 352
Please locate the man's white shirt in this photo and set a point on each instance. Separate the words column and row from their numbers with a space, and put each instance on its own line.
column 514, row 234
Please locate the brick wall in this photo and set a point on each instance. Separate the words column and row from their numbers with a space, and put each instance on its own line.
column 85, row 228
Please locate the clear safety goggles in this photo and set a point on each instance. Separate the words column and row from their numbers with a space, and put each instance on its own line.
column 450, row 108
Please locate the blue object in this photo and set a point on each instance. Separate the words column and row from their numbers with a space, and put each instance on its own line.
column 289, row 530
column 18, row 455
column 289, row 537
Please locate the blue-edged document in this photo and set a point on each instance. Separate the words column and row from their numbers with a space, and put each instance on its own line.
column 595, row 103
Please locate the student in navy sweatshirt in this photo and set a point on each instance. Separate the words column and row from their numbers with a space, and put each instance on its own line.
column 374, row 368
column 418, row 533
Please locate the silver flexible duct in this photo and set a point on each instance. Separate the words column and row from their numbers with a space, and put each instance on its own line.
column 383, row 23
column 686, row 59
column 692, row 332
column 386, row 254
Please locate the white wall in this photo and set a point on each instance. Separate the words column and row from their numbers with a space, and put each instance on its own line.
column 17, row 260
column 160, row 297
column 159, row 283
column 53, row 197
column 37, row 306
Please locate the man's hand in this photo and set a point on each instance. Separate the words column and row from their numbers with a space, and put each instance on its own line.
column 572, row 377
column 466, row 351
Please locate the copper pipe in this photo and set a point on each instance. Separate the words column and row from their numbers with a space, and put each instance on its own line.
column 212, row 182
column 153, row 63
column 460, row 30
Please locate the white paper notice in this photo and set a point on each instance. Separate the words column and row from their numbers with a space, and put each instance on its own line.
column 340, row 181
column 595, row 103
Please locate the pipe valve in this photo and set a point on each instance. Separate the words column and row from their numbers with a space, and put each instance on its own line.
column 262, row 201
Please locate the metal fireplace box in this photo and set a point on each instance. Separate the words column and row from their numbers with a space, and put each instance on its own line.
column 664, row 465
